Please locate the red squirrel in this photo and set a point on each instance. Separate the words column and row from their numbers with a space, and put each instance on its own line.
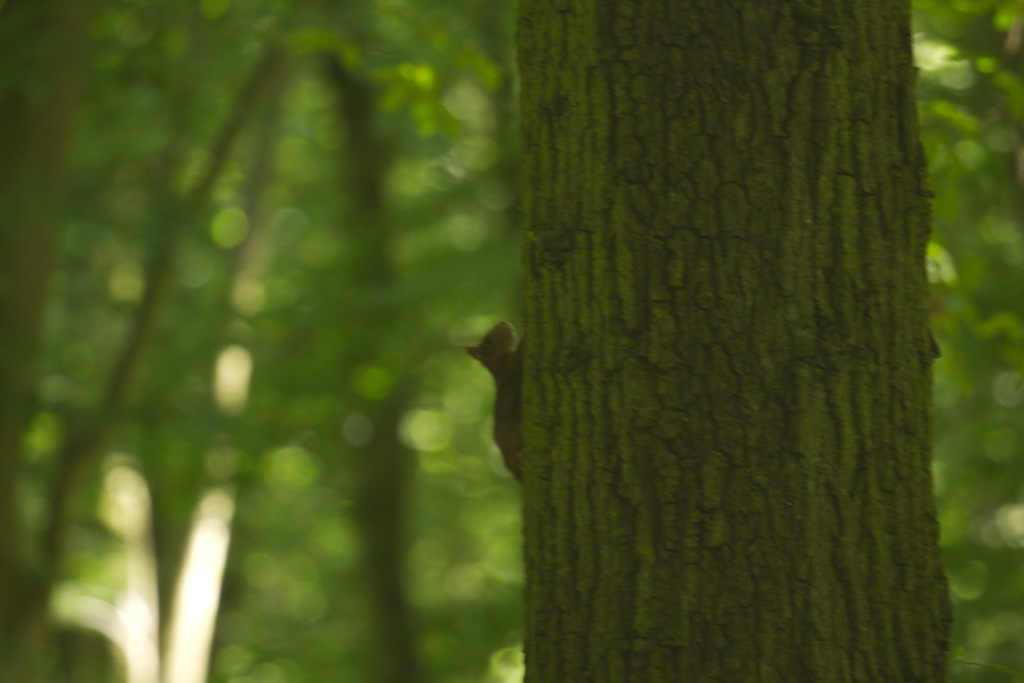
column 502, row 354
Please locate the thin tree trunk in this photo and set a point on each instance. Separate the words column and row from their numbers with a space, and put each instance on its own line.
column 38, row 103
column 727, row 419
column 382, row 467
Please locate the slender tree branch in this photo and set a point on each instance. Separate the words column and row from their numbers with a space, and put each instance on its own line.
column 83, row 445
column 161, row 269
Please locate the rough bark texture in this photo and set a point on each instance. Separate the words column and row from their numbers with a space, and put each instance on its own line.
column 728, row 382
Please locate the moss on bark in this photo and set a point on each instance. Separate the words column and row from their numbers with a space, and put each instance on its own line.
column 728, row 383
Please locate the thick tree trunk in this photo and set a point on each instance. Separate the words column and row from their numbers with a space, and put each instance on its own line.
column 728, row 429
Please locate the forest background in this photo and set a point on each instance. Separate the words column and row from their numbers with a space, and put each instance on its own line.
column 274, row 223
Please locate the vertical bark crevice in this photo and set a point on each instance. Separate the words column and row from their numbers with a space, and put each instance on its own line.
column 725, row 277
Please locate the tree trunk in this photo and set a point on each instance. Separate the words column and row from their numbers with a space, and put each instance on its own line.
column 728, row 383
column 38, row 101
column 382, row 467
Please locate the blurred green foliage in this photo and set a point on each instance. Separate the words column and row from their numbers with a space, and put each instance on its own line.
column 281, row 271
column 341, row 320
column 972, row 113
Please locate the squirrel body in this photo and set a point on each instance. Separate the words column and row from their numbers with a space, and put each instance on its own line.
column 501, row 352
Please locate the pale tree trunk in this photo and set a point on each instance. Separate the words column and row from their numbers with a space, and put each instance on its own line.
column 728, row 380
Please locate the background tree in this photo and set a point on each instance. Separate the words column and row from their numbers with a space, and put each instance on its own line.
column 234, row 174
column 728, row 414
column 38, row 102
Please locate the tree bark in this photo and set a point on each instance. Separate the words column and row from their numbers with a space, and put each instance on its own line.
column 727, row 472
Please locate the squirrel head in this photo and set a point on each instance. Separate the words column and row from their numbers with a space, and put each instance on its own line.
column 499, row 340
